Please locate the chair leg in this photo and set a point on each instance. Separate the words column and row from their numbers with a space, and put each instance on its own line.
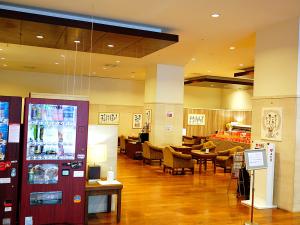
column 192, row 169
column 164, row 168
column 160, row 162
column 182, row 171
column 173, row 171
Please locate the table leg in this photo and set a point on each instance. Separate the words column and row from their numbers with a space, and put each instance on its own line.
column 205, row 165
column 119, row 206
column 108, row 207
column 200, row 166
column 86, row 211
column 214, row 162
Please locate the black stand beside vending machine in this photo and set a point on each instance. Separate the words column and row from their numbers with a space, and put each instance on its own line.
column 10, row 119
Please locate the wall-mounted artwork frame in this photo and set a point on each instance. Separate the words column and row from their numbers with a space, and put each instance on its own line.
column 148, row 115
column 271, row 124
column 137, row 121
column 196, row 119
column 109, row 118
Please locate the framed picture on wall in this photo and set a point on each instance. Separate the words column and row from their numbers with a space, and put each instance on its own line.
column 148, row 114
column 196, row 119
column 109, row 118
column 137, row 121
column 271, row 124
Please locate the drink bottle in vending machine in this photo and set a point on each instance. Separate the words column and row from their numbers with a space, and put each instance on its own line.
column 10, row 119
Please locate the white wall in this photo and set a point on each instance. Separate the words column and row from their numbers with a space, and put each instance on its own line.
column 102, row 90
column 115, row 92
column 202, row 97
column 236, row 99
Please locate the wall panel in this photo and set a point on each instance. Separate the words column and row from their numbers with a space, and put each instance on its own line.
column 215, row 119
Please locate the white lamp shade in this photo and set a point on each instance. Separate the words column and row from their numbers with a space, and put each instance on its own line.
column 97, row 153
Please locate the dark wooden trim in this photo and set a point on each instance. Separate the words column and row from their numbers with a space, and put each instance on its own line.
column 86, row 25
column 216, row 79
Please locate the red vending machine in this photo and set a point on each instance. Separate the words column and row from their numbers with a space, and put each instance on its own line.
column 10, row 119
column 54, row 162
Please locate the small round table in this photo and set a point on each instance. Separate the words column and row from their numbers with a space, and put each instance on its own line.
column 203, row 157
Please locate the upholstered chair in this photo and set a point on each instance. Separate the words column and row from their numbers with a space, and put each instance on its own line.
column 151, row 152
column 174, row 160
column 225, row 158
column 206, row 145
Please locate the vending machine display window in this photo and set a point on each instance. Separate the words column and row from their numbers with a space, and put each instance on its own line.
column 43, row 174
column 51, row 132
column 46, row 198
column 4, row 113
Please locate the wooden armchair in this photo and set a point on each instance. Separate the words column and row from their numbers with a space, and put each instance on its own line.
column 151, row 152
column 225, row 158
column 207, row 145
column 174, row 160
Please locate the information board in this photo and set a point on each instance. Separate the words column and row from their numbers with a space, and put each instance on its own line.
column 256, row 159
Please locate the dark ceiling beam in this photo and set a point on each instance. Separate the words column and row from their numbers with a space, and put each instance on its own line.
column 216, row 79
column 86, row 25
column 245, row 72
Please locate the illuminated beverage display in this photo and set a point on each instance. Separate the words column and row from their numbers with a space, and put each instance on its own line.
column 51, row 132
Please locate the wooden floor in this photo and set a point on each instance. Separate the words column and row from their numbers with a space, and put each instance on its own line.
column 151, row 197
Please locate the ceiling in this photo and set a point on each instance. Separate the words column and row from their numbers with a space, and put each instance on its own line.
column 203, row 46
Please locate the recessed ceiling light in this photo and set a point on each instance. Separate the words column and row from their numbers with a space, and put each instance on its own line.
column 39, row 36
column 132, row 76
column 63, row 56
column 5, row 65
column 118, row 61
column 241, row 64
column 77, row 41
column 110, row 46
column 105, row 68
column 212, row 85
column 231, row 47
column 1, row 49
column 209, row 71
column 215, row 15
column 56, row 63
column 193, row 59
column 2, row 58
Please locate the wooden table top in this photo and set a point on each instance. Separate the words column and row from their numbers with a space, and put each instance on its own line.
column 201, row 154
column 96, row 186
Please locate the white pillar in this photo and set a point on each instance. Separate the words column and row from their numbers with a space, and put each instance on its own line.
column 164, row 88
column 276, row 84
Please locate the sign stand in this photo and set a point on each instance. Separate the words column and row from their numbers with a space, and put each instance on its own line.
column 252, row 204
column 255, row 159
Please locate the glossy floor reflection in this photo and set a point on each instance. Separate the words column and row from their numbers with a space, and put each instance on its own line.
column 151, row 197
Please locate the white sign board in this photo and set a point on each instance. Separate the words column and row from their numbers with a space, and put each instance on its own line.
column 196, row 119
column 256, row 159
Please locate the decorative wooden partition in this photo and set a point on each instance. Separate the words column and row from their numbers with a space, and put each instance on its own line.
column 215, row 119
